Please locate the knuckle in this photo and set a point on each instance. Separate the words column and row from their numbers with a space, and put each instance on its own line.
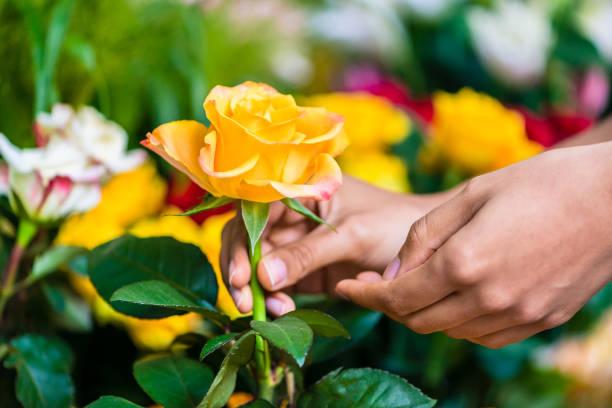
column 556, row 319
column 357, row 231
column 416, row 324
column 303, row 255
column 460, row 265
column 418, row 231
column 527, row 313
column 393, row 305
column 493, row 301
column 472, row 185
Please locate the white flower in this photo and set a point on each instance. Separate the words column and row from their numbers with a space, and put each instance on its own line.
column 594, row 20
column 48, row 183
column 512, row 41
column 99, row 140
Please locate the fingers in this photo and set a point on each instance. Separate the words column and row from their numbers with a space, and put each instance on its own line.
column 243, row 298
column 430, row 232
column 279, row 303
column 509, row 336
column 286, row 265
column 234, row 259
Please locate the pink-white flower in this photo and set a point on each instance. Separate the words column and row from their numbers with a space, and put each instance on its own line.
column 594, row 91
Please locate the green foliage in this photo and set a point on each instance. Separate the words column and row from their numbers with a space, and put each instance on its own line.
column 112, row 402
column 208, row 203
column 290, row 334
column 161, row 294
column 363, row 388
column 255, row 216
column 70, row 311
column 43, row 371
column 257, row 404
column 173, row 381
column 320, row 323
column 298, row 207
column 216, row 343
column 223, row 385
column 51, row 260
column 128, row 260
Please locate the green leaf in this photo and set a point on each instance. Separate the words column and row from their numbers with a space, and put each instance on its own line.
column 173, row 381
column 223, row 385
column 160, row 294
column 43, row 371
column 208, row 203
column 216, row 343
column 321, row 323
column 363, row 388
column 71, row 311
column 51, row 260
column 112, row 402
column 257, row 404
column 296, row 206
column 128, row 260
column 255, row 216
column 358, row 322
column 287, row 333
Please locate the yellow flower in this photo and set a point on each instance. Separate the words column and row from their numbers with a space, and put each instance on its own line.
column 381, row 169
column 260, row 147
column 477, row 133
column 370, row 121
column 238, row 399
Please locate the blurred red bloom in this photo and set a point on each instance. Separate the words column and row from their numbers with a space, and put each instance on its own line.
column 558, row 126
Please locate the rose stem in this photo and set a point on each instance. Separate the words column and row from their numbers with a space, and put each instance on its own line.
column 262, row 354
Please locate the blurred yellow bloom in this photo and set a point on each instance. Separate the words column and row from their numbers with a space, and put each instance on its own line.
column 117, row 214
column 239, row 398
column 370, row 121
column 379, row 168
column 477, row 133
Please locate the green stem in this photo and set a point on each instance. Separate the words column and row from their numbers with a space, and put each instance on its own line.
column 262, row 354
column 25, row 234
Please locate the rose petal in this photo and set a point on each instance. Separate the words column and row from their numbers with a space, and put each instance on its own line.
column 207, row 160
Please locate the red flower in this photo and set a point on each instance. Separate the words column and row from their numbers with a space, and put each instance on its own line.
column 558, row 126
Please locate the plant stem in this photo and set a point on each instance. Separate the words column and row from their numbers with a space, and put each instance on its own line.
column 262, row 354
column 25, row 233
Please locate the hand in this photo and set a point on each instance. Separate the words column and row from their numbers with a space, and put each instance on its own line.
column 301, row 256
column 516, row 252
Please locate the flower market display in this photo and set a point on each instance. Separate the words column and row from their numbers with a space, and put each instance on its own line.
column 158, row 156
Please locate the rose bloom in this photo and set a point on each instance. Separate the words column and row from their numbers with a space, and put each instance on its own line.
column 260, row 146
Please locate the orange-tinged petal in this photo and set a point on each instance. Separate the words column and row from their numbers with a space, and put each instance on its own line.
column 326, row 179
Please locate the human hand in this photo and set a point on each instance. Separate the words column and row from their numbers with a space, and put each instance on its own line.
column 301, row 256
column 516, row 252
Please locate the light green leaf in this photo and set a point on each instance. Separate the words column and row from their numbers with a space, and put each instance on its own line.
column 223, row 385
column 363, row 388
column 71, row 311
column 160, row 294
column 128, row 260
column 43, row 371
column 208, row 203
column 173, row 381
column 296, row 206
column 51, row 260
column 321, row 323
column 216, row 343
column 112, row 402
column 289, row 334
column 255, row 216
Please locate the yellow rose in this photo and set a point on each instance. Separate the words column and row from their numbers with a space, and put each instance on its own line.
column 370, row 121
column 382, row 169
column 477, row 133
column 260, row 146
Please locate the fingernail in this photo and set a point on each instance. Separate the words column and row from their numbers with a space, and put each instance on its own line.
column 391, row 270
column 275, row 306
column 342, row 295
column 232, row 272
column 276, row 270
column 237, row 296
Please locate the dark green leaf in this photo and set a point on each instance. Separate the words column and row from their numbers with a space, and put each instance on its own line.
column 128, row 260
column 358, row 322
column 223, row 385
column 363, row 388
column 208, row 203
column 112, row 402
column 255, row 216
column 71, row 311
column 160, row 294
column 43, row 371
column 321, row 323
column 173, row 381
column 216, row 343
column 257, row 404
column 296, row 206
column 287, row 333
column 51, row 260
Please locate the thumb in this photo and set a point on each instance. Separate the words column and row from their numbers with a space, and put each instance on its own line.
column 286, row 265
column 431, row 231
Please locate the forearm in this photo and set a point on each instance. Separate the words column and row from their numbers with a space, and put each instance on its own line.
column 598, row 134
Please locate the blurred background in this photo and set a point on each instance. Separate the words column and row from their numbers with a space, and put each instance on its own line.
column 433, row 92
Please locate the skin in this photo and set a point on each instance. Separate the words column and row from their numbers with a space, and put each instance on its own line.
column 499, row 259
